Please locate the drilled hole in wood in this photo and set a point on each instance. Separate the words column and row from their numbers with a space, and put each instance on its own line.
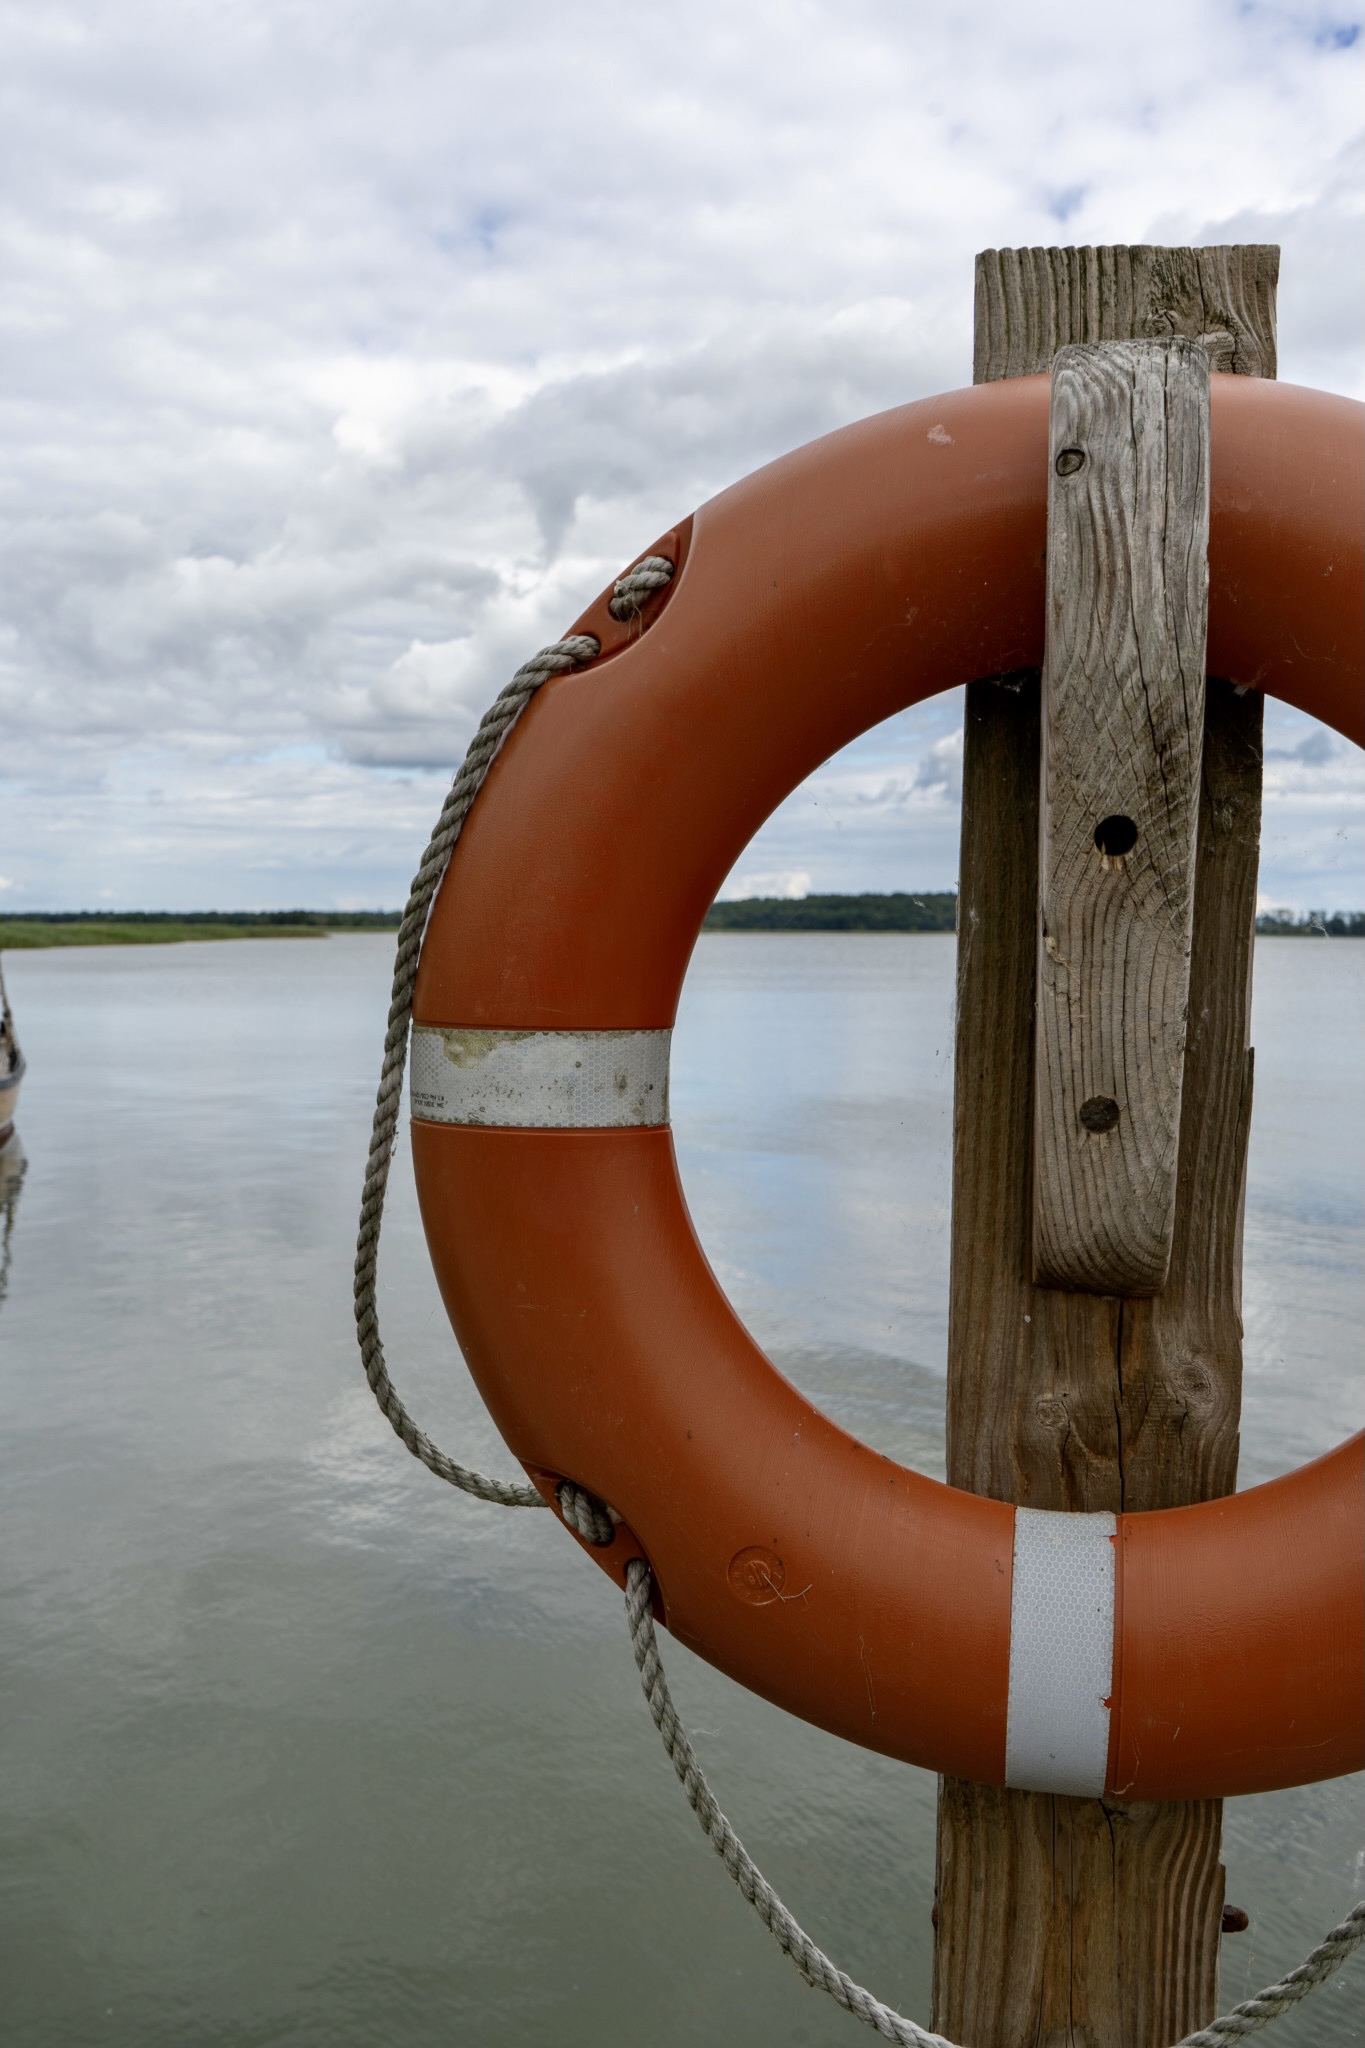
column 1116, row 836
column 1070, row 460
column 1099, row 1113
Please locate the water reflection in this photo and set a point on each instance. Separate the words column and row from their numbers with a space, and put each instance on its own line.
column 13, row 1163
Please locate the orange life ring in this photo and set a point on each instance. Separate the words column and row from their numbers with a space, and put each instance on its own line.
column 864, row 573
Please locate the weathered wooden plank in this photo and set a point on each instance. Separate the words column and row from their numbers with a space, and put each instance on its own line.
column 1068, row 1921
column 1044, row 1385
column 1031, row 302
column 1123, row 727
column 1179, row 1358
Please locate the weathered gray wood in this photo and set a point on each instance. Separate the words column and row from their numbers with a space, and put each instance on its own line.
column 1123, row 728
column 1068, row 1923
column 1031, row 302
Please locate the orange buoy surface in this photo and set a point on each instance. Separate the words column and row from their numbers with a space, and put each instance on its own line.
column 1193, row 1652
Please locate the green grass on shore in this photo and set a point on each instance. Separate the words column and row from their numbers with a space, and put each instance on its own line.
column 165, row 928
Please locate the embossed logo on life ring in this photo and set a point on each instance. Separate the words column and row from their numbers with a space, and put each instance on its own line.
column 757, row 1575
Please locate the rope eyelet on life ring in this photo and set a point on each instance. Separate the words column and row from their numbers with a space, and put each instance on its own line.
column 1193, row 1652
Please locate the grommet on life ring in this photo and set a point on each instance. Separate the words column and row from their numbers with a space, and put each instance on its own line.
column 1188, row 1653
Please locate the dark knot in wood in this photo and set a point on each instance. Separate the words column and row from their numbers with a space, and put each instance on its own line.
column 1195, row 1386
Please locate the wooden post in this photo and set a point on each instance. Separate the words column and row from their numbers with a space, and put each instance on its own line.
column 1072, row 1923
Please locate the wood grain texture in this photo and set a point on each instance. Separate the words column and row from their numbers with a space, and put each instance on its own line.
column 1071, row 1923
column 1123, row 724
column 1073, row 1401
column 1064, row 1920
column 1031, row 302
column 1121, row 1975
column 1179, row 1361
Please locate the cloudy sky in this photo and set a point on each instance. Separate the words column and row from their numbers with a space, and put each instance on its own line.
column 348, row 347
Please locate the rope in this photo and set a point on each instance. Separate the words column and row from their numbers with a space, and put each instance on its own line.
column 593, row 1519
column 814, row 1965
column 1254, row 2013
column 634, row 590
column 630, row 594
column 557, row 659
column 586, row 1515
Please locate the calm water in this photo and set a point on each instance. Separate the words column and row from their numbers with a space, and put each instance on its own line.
column 298, row 1747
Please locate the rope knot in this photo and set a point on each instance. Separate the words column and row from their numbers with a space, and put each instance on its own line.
column 633, row 591
column 586, row 1515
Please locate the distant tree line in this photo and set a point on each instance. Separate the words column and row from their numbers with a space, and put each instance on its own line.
column 896, row 911
column 1322, row 924
column 901, row 912
column 866, row 913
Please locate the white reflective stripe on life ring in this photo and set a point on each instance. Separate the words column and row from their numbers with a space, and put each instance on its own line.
column 540, row 1080
column 1061, row 1653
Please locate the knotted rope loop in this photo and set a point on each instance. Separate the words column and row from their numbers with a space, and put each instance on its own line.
column 814, row 1965
column 634, row 590
column 586, row 1515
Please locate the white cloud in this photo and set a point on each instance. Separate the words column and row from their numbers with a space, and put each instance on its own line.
column 940, row 766
column 789, row 882
column 346, row 350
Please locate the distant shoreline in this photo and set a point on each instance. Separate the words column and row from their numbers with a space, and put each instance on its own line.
column 1318, row 924
column 894, row 911
column 174, row 928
